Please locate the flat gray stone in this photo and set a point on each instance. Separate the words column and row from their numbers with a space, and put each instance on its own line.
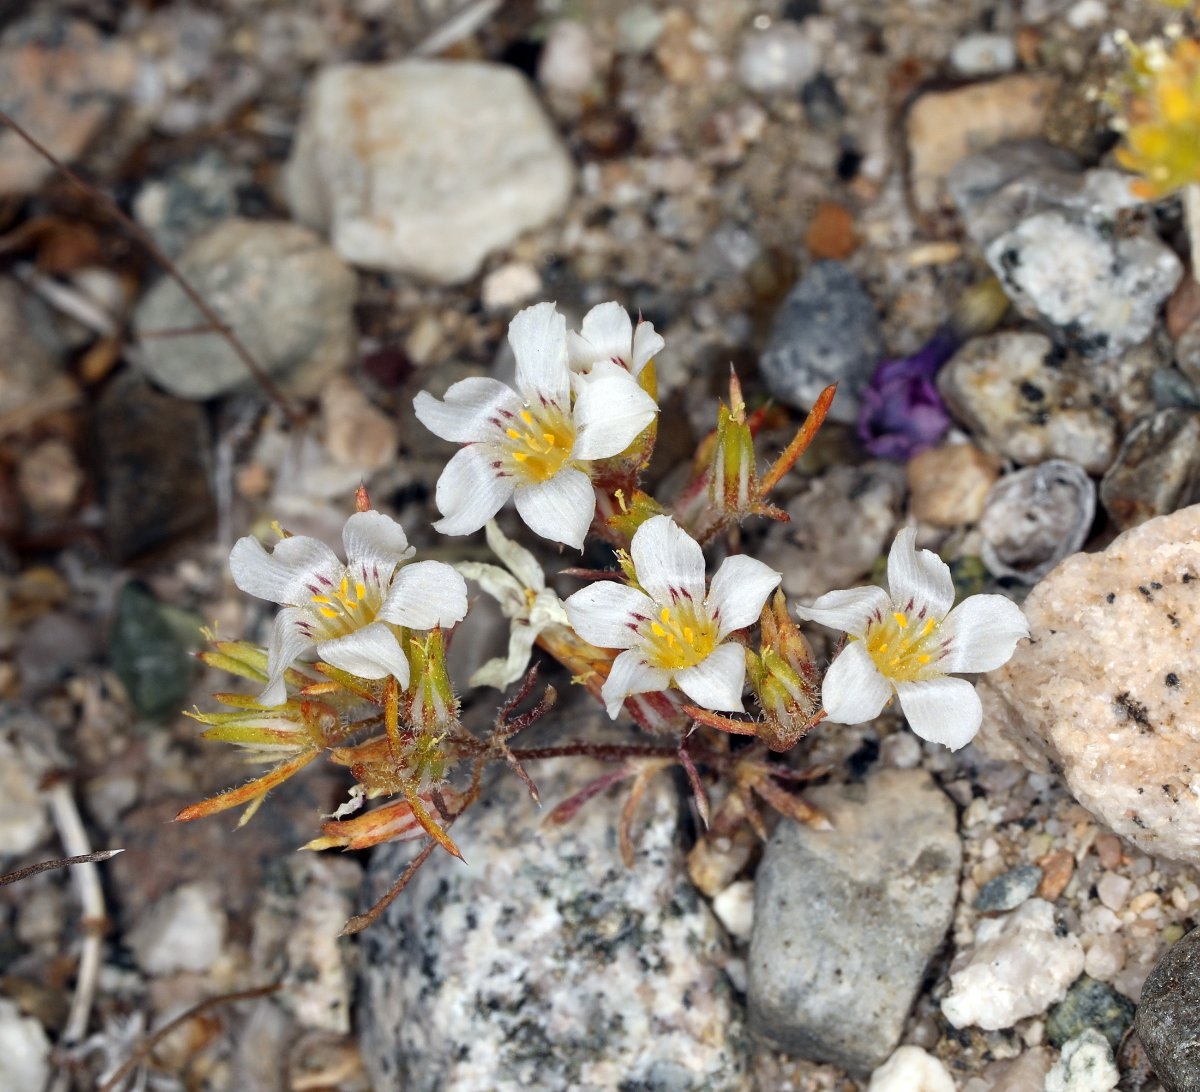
column 545, row 963
column 845, row 921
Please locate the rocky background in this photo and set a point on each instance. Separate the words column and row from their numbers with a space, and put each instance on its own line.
column 800, row 187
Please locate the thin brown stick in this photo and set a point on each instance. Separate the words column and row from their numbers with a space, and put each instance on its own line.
column 602, row 751
column 270, row 388
column 151, row 1041
column 61, row 862
column 361, row 921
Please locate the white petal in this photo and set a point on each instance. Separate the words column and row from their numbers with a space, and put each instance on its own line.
column 918, row 577
column 424, row 595
column 538, row 336
column 518, row 560
column 610, row 411
column 581, row 353
column 647, row 344
column 666, row 557
column 943, row 710
column 289, row 639
column 375, row 545
column 498, row 583
column 609, row 330
column 286, row 574
column 738, row 591
column 560, row 508
column 470, row 492
column 983, row 631
column 717, row 681
column 630, row 674
column 606, row 614
column 468, row 412
column 547, row 610
column 849, row 610
column 370, row 653
column 853, row 690
column 503, row 671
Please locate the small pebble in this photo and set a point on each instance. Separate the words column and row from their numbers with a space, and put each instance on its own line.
column 778, row 60
column 911, row 1069
column 1090, row 1004
column 831, row 233
column 1113, row 889
column 567, row 64
column 734, row 908
column 1108, row 849
column 1157, row 469
column 984, row 55
column 183, row 931
column 24, row 1050
column 509, row 286
column 1008, row 890
column 1057, row 869
column 49, row 478
column 1086, row 1065
column 949, row 484
column 1105, row 957
column 356, row 432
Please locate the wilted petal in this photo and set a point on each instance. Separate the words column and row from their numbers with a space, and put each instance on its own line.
column 738, row 591
column 469, row 492
column 983, row 631
column 647, row 344
column 560, row 508
column 468, row 411
column 498, row 583
column 289, row 639
column 518, row 560
column 717, row 681
column 666, row 557
column 424, row 595
column 630, row 674
column 503, row 671
column 919, row 577
column 853, row 690
column 942, row 710
column 606, row 614
column 849, row 610
column 375, row 544
column 610, row 411
column 538, row 336
column 285, row 574
column 370, row 653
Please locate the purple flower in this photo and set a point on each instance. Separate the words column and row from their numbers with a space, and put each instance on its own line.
column 902, row 413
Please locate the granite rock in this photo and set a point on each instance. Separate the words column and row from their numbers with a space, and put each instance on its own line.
column 189, row 200
column 544, row 962
column 1090, row 1004
column 1157, row 469
column 425, row 167
column 866, row 902
column 1105, row 691
column 826, row 331
column 1086, row 1065
column 287, row 296
column 1018, row 967
column 1168, row 1018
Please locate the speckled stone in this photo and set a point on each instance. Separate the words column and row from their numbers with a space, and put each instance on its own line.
column 1157, row 469
column 1090, row 1004
column 1168, row 1017
column 1086, row 1065
column 866, row 902
column 1008, row 890
column 1013, row 393
column 825, row 332
column 1106, row 690
column 544, row 962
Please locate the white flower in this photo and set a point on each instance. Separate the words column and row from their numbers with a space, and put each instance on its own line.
column 347, row 610
column 904, row 641
column 673, row 631
column 523, row 597
column 533, row 444
column 608, row 333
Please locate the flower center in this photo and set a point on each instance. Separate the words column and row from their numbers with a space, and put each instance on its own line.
column 540, row 443
column 680, row 637
column 347, row 607
column 904, row 649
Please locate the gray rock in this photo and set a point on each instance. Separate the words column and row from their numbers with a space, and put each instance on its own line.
column 425, row 167
column 1090, row 1004
column 191, row 199
column 544, row 962
column 285, row 293
column 182, row 931
column 53, row 647
column 826, row 331
column 1187, row 352
column 1035, row 517
column 148, row 655
column 1168, row 1016
column 1008, row 890
column 1012, row 390
column 1157, row 469
column 845, row 921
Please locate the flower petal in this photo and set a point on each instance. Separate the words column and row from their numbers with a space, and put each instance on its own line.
column 285, row 574
column 853, row 690
column 717, row 681
column 918, row 577
column 630, row 674
column 608, row 328
column 499, row 583
column 667, row 559
column 518, row 560
column 538, row 336
column 647, row 344
column 468, row 411
column 849, row 610
column 424, row 595
column 738, row 591
column 375, row 545
column 610, row 411
column 289, row 639
column 983, row 631
column 606, row 614
column 370, row 653
column 560, row 508
column 943, row 710
column 470, row 492
column 503, row 671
